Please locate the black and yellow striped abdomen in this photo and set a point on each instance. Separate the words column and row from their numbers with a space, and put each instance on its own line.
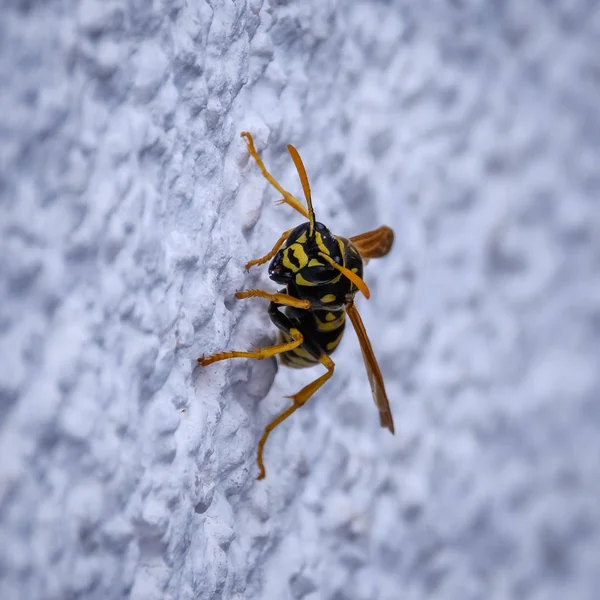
column 322, row 331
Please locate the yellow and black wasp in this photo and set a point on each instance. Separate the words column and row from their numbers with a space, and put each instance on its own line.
column 321, row 273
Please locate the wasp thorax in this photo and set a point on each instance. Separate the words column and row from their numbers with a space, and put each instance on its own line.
column 300, row 259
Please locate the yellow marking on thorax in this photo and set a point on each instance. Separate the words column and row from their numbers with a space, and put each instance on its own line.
column 302, row 239
column 315, row 263
column 327, row 298
column 330, row 317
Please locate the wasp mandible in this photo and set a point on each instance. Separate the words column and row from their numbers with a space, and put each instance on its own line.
column 320, row 273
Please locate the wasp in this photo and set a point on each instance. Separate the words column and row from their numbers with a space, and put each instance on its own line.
column 320, row 273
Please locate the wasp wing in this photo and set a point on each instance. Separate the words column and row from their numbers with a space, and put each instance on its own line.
column 375, row 243
column 373, row 372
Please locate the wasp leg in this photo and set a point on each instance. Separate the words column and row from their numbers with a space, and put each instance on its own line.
column 287, row 197
column 279, row 298
column 278, row 318
column 259, row 353
column 271, row 254
column 298, row 400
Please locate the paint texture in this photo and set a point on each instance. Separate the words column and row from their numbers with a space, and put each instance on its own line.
column 128, row 208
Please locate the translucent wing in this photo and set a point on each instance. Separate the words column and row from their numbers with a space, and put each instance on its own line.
column 374, row 244
column 373, row 372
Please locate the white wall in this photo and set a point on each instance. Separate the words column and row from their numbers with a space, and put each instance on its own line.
column 128, row 209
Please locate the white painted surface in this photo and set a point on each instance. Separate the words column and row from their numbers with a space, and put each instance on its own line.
column 128, row 209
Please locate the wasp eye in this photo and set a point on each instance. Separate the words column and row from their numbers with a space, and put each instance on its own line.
column 278, row 272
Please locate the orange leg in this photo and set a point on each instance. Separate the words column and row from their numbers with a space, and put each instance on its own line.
column 271, row 254
column 298, row 400
column 258, row 354
column 287, row 197
column 283, row 299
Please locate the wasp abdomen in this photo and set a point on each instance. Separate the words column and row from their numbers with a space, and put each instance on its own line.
column 323, row 328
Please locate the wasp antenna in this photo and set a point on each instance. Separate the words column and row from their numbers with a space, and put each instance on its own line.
column 353, row 277
column 305, row 186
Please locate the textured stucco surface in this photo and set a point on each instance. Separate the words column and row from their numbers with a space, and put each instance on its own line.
column 128, row 209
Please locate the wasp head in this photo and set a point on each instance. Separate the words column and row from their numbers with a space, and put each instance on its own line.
column 300, row 256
